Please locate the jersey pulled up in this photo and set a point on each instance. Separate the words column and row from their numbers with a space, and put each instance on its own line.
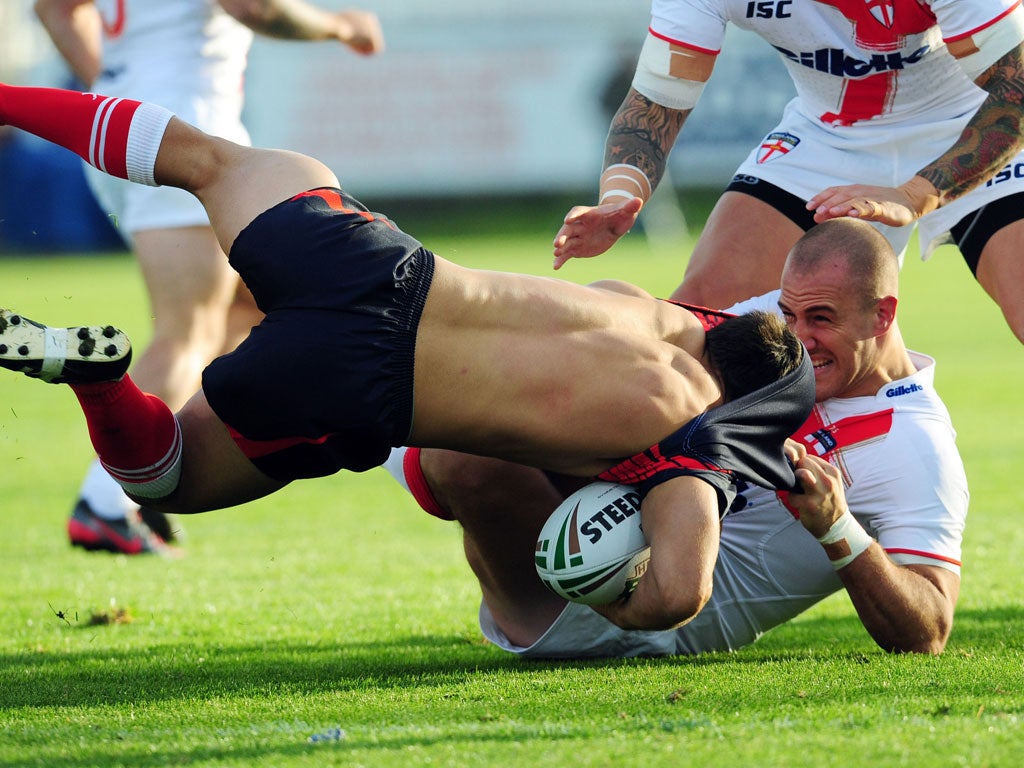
column 739, row 441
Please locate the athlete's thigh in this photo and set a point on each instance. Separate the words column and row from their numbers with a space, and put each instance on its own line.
column 739, row 254
column 1001, row 273
column 235, row 183
column 247, row 181
column 186, row 273
column 214, row 473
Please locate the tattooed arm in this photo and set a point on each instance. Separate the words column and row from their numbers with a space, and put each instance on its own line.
column 639, row 141
column 993, row 136
column 666, row 86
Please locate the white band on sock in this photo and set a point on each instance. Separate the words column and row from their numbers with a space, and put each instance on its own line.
column 144, row 136
column 156, row 481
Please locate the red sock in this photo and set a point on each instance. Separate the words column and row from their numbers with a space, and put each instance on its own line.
column 102, row 130
column 135, row 435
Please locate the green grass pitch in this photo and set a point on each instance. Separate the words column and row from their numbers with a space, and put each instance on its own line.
column 335, row 625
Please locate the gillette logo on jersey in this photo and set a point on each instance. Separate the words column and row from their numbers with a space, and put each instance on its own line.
column 886, row 38
column 836, row 62
column 903, row 389
column 878, row 27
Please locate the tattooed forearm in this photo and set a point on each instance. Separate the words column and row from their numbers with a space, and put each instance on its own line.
column 642, row 134
column 992, row 136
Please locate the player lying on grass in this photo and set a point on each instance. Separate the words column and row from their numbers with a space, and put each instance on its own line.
column 883, row 473
column 370, row 342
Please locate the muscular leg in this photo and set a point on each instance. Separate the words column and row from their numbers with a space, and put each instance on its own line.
column 1001, row 274
column 215, row 474
column 181, row 463
column 190, row 287
column 142, row 143
column 235, row 183
column 501, row 508
column 739, row 254
column 242, row 316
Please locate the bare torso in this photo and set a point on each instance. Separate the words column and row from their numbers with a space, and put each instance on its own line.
column 553, row 374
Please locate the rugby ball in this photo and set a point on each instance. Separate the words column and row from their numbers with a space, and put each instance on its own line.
column 592, row 549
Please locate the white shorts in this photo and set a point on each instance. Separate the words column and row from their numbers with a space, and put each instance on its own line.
column 803, row 157
column 135, row 207
column 769, row 570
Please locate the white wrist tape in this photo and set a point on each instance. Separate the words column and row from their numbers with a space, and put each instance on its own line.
column 615, row 193
column 622, row 180
column 845, row 540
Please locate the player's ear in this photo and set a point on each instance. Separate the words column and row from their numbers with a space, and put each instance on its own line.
column 885, row 314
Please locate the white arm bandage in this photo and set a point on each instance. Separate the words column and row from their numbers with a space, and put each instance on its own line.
column 845, row 540
column 980, row 50
column 654, row 78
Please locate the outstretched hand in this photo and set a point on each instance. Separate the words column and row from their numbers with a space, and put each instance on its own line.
column 591, row 230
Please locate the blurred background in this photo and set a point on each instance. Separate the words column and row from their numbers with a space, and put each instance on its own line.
column 484, row 104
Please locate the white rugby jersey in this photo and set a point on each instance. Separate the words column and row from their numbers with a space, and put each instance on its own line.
column 152, row 48
column 903, row 476
column 851, row 60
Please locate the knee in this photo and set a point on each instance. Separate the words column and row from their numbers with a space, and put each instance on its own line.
column 454, row 477
column 475, row 487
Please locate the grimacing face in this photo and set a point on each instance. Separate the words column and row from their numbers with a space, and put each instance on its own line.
column 837, row 330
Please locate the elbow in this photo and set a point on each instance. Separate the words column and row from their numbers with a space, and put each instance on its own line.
column 932, row 642
column 926, row 646
column 932, row 647
column 677, row 609
column 252, row 13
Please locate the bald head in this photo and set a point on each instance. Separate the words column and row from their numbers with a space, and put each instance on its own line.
column 852, row 248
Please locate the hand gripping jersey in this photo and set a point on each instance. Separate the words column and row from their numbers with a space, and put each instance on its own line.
column 904, row 482
column 896, row 450
column 740, row 440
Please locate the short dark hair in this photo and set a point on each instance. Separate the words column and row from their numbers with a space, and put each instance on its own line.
column 751, row 351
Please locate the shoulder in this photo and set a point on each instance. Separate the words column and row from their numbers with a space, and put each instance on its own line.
column 766, row 302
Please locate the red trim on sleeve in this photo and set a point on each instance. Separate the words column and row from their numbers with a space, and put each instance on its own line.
column 681, row 44
column 986, row 25
column 929, row 555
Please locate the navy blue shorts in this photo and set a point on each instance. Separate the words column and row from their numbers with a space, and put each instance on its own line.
column 325, row 382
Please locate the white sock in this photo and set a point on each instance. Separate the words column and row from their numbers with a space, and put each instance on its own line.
column 104, row 496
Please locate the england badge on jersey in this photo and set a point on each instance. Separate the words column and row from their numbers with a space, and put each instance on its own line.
column 882, row 11
column 776, row 145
